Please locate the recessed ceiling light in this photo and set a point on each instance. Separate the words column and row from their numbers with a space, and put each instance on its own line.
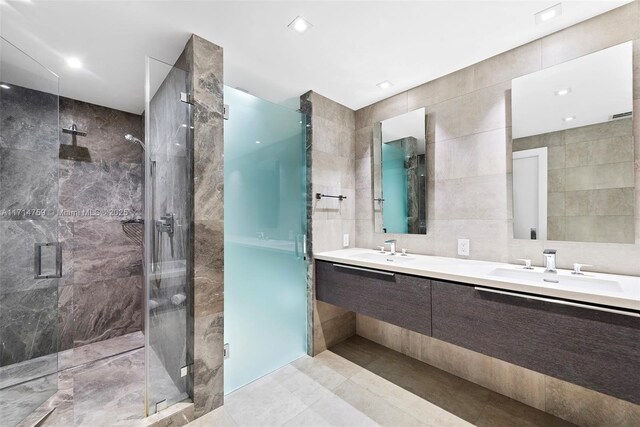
column 563, row 92
column 257, row 142
column 4, row 86
column 385, row 84
column 568, row 119
column 549, row 13
column 74, row 63
column 300, row 24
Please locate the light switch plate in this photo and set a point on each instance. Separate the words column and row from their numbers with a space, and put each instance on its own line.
column 184, row 371
column 345, row 240
column 463, row 247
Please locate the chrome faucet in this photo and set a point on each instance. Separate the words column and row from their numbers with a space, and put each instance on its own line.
column 549, row 260
column 392, row 245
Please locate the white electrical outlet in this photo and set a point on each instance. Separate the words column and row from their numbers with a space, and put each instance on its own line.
column 345, row 240
column 463, row 247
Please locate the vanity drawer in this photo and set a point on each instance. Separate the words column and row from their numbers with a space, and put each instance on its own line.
column 394, row 298
column 594, row 349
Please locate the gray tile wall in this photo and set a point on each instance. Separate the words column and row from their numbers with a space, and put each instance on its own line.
column 28, row 180
column 100, row 293
column 469, row 140
column 591, row 196
column 101, row 288
column 332, row 165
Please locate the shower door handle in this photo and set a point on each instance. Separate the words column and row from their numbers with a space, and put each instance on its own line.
column 37, row 260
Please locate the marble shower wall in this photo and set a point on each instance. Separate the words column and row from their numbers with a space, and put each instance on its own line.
column 204, row 60
column 469, row 140
column 28, row 180
column 101, row 287
column 331, row 160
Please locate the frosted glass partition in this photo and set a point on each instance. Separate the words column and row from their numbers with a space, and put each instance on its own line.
column 265, row 304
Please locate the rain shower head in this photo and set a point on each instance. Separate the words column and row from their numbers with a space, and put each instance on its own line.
column 135, row 140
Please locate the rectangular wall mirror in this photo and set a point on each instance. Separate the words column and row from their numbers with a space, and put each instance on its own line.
column 399, row 174
column 573, row 155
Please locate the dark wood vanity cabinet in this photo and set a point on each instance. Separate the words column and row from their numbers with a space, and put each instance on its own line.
column 394, row 298
column 594, row 349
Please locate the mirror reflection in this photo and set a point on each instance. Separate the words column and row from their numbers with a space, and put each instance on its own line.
column 573, row 154
column 400, row 174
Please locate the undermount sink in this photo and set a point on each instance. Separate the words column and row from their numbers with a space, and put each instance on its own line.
column 386, row 258
column 559, row 281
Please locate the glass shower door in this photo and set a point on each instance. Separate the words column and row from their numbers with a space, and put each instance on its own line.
column 168, row 222
column 30, row 256
column 265, row 304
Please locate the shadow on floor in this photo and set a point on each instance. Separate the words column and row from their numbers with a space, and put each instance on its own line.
column 471, row 402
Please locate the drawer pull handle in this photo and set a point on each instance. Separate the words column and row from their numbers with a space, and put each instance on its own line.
column 556, row 301
column 350, row 267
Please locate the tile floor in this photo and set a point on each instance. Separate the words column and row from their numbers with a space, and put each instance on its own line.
column 93, row 381
column 360, row 383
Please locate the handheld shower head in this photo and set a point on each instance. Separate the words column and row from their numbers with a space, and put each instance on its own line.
column 135, row 140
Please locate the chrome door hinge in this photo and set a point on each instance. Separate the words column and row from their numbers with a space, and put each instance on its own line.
column 226, row 111
column 184, row 371
column 226, row 352
column 187, row 98
column 163, row 404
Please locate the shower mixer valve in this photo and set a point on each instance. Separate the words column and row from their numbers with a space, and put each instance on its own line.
column 166, row 224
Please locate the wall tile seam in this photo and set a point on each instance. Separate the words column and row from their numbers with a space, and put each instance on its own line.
column 597, row 164
column 322, row 113
column 466, row 94
column 474, row 134
column 476, row 89
column 333, row 155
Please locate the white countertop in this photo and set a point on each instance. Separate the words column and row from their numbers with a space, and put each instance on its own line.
column 596, row 288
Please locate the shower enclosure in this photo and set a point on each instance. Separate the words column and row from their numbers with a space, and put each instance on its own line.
column 168, row 235
column 71, row 174
column 265, row 301
column 30, row 255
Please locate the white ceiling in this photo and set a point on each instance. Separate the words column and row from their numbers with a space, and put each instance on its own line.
column 352, row 46
column 601, row 85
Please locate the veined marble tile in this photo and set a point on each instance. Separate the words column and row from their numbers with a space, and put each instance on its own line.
column 27, row 370
column 105, row 186
column 107, row 348
column 28, row 324
column 28, row 184
column 110, row 392
column 106, row 309
column 29, row 120
column 102, row 251
column 105, row 129
column 17, row 402
column 17, row 253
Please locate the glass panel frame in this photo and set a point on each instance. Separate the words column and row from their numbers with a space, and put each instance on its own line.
column 29, row 146
column 168, row 266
